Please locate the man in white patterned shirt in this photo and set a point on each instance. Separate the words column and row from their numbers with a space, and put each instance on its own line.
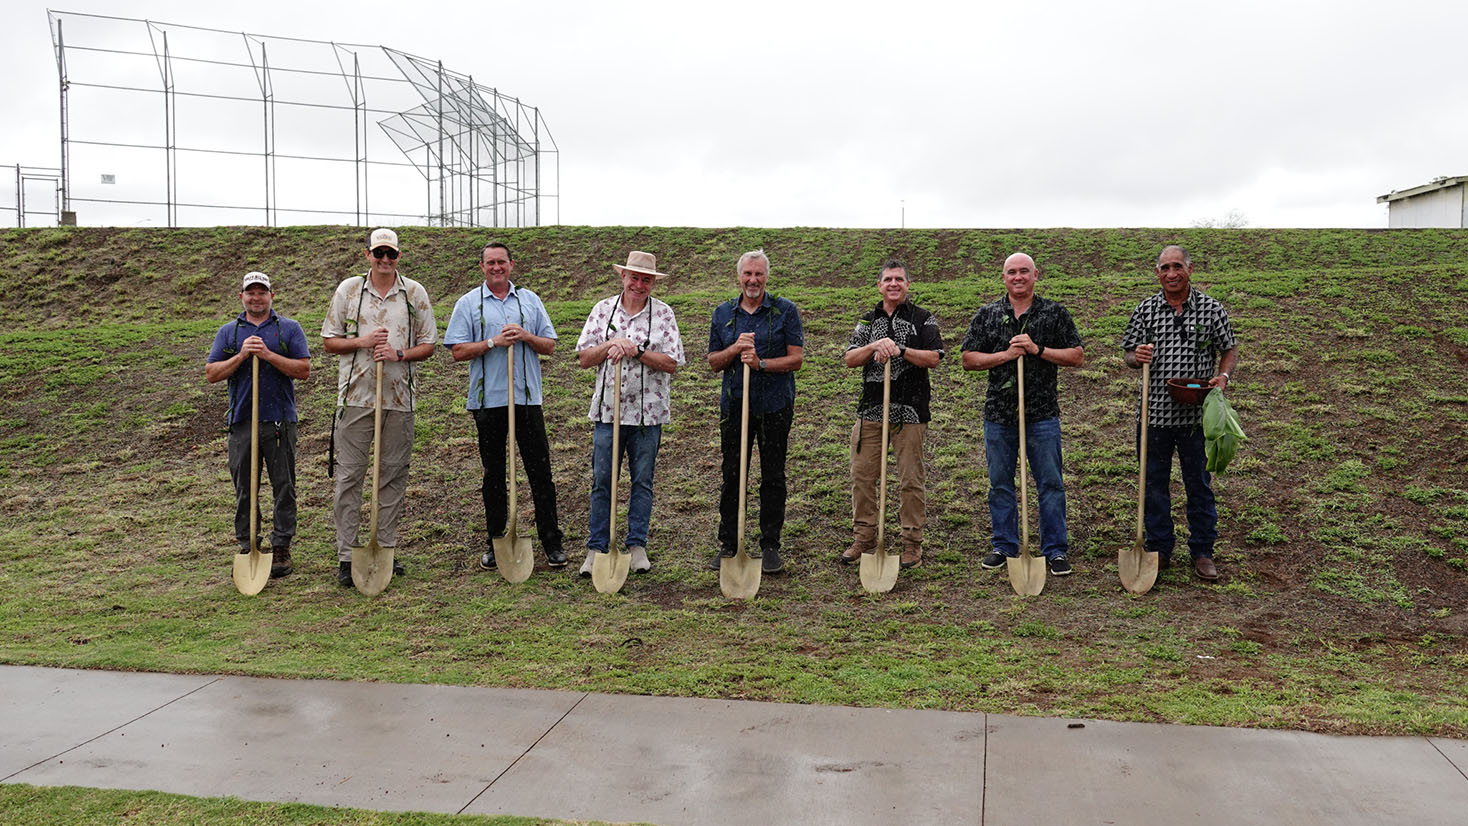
column 1183, row 334
column 638, row 335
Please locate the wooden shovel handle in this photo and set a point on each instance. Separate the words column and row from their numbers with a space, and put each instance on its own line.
column 1024, row 503
column 255, row 453
column 376, row 456
column 882, row 457
column 743, row 460
column 1142, row 440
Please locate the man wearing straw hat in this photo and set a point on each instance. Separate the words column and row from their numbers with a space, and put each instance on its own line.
column 280, row 344
column 899, row 331
column 764, row 332
column 379, row 316
column 486, row 321
column 1023, row 325
column 1183, row 333
column 638, row 335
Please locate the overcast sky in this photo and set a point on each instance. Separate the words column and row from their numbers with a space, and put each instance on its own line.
column 977, row 114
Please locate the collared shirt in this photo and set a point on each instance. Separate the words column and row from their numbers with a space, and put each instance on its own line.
column 479, row 315
column 277, row 390
column 1047, row 324
column 645, row 391
column 909, row 326
column 357, row 309
column 1188, row 345
column 776, row 326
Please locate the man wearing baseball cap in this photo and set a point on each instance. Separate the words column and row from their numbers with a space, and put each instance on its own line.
column 280, row 345
column 379, row 316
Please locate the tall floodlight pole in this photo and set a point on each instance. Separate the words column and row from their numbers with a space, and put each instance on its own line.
column 442, row 203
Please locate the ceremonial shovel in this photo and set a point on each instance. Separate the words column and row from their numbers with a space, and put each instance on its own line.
column 609, row 570
column 1137, row 565
column 512, row 551
column 739, row 574
column 1026, row 572
column 878, row 567
column 252, row 570
column 372, row 565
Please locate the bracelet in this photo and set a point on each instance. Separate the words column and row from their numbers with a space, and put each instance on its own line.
column 1225, row 377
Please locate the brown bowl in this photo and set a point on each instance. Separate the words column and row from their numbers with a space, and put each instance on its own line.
column 1188, row 391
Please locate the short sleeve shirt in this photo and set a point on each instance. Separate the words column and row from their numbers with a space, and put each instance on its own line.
column 1048, row 324
column 357, row 309
column 645, row 391
column 1188, row 345
column 479, row 315
column 277, row 390
column 909, row 326
column 776, row 325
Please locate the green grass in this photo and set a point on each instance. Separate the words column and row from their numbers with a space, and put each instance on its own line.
column 72, row 806
column 115, row 516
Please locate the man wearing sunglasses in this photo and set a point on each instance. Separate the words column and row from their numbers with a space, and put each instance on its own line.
column 1183, row 334
column 379, row 316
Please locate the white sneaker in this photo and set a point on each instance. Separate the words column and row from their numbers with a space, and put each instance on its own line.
column 586, row 566
column 640, row 565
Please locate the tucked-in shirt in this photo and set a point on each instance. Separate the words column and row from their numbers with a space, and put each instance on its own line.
column 645, row 391
column 1188, row 345
column 1047, row 324
column 776, row 326
column 479, row 315
column 357, row 309
column 277, row 390
column 909, row 326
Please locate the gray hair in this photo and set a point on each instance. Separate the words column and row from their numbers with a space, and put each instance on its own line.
column 1187, row 259
column 759, row 254
column 894, row 264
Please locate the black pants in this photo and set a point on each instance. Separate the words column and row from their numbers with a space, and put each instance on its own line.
column 493, row 425
column 278, row 460
column 772, row 432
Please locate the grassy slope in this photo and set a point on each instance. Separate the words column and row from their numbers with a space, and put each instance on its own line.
column 1344, row 522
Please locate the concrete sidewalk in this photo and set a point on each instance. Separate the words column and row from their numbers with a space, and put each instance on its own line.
column 677, row 761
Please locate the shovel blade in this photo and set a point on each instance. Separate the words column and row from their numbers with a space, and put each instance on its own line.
column 739, row 576
column 1138, row 569
column 609, row 570
column 879, row 571
column 514, row 556
column 252, row 571
column 1026, row 574
column 371, row 568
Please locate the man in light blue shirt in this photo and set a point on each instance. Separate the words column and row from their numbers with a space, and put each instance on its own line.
column 487, row 320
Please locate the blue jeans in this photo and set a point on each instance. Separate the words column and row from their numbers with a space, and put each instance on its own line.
column 1157, row 503
column 639, row 448
column 1001, row 447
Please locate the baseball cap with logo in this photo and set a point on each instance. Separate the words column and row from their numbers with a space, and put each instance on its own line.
column 256, row 278
column 383, row 238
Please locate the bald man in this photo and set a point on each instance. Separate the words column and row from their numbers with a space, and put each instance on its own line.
column 1023, row 325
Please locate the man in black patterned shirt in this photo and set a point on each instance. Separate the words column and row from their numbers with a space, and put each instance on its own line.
column 1022, row 325
column 905, row 334
column 1183, row 334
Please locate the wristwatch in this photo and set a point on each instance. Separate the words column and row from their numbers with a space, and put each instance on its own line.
column 641, row 348
column 490, row 342
column 762, row 365
column 400, row 355
column 1039, row 350
column 902, row 351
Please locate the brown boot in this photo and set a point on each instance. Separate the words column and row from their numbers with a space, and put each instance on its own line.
column 854, row 553
column 280, row 562
column 912, row 555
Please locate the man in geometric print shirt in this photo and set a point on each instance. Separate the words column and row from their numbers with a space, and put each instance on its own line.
column 1183, row 334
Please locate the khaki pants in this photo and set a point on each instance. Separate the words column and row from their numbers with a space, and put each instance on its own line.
column 907, row 442
column 354, row 467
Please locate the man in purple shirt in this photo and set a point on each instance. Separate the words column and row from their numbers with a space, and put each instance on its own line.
column 280, row 345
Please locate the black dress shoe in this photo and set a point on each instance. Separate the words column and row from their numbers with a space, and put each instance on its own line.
column 397, row 568
column 486, row 560
column 555, row 557
column 344, row 574
column 770, row 561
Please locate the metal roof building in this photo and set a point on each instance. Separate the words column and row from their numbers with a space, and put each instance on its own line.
column 1441, row 203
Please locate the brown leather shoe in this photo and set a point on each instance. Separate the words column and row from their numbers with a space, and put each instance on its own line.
column 912, row 556
column 853, row 553
column 1205, row 569
column 280, row 561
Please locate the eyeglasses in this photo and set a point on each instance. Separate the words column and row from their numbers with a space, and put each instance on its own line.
column 385, row 252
